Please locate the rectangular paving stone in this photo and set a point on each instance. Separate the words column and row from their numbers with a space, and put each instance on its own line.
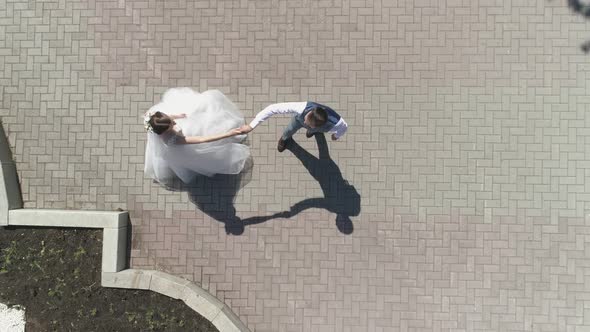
column 467, row 146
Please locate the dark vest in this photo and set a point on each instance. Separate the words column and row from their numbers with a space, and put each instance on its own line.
column 333, row 117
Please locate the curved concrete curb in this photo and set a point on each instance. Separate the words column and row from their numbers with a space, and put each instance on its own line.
column 194, row 296
column 114, row 248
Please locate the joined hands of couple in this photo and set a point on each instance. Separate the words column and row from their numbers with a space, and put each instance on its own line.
column 245, row 129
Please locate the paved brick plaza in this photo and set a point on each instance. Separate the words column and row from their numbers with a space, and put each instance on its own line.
column 468, row 153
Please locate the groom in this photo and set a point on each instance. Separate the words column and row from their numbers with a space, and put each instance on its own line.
column 314, row 117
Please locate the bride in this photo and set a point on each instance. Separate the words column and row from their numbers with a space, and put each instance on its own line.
column 191, row 133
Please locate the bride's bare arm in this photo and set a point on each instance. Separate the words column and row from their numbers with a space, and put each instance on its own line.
column 177, row 116
column 206, row 139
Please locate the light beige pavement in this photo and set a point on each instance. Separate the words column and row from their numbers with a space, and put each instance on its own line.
column 467, row 158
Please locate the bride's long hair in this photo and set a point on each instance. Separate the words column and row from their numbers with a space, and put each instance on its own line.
column 160, row 122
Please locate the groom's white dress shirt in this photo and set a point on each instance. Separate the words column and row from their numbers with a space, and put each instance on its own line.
column 295, row 108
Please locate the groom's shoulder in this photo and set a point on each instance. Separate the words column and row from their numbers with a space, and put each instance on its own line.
column 316, row 104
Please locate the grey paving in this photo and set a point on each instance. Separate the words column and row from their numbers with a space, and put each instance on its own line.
column 468, row 149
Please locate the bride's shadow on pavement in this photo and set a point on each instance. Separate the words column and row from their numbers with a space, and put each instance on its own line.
column 340, row 197
column 215, row 195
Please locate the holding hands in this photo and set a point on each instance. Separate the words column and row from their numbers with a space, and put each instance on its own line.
column 235, row 132
column 245, row 129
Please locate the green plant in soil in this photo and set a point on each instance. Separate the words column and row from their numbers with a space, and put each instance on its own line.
column 8, row 256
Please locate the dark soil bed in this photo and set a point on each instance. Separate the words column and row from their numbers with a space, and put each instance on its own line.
column 55, row 275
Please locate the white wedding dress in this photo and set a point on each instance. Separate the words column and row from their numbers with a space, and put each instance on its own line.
column 208, row 113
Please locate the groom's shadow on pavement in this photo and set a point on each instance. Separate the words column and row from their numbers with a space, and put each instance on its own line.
column 340, row 197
